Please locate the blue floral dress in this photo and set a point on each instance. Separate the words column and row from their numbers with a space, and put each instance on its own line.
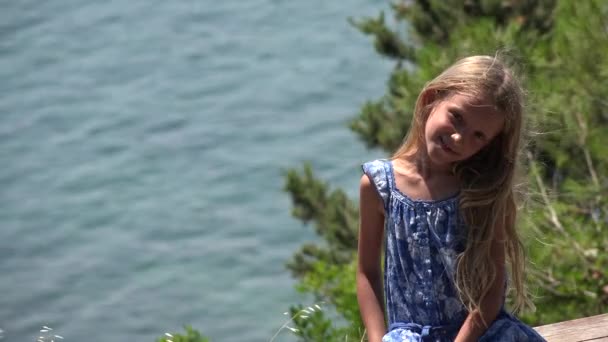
column 423, row 238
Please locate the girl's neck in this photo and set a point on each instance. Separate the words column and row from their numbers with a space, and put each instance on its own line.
column 428, row 170
column 417, row 179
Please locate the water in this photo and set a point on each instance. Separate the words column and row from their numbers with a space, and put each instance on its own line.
column 142, row 147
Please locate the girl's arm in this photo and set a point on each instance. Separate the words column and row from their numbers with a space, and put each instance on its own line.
column 369, row 274
column 474, row 326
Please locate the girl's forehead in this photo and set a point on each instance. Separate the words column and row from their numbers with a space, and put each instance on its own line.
column 480, row 111
column 473, row 101
column 474, row 105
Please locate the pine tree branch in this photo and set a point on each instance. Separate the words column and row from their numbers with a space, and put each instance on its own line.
column 582, row 125
column 553, row 218
column 335, row 219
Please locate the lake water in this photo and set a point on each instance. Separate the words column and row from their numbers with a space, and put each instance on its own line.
column 142, row 147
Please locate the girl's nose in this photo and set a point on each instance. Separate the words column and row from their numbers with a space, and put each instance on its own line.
column 457, row 138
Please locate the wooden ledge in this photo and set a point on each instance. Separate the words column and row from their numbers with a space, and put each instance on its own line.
column 592, row 329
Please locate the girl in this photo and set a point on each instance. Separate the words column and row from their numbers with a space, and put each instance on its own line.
column 446, row 205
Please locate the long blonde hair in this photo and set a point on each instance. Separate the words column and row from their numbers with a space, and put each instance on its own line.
column 487, row 182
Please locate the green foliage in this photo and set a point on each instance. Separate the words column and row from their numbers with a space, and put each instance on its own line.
column 333, row 284
column 316, row 327
column 335, row 218
column 190, row 336
column 387, row 41
column 319, row 326
column 560, row 48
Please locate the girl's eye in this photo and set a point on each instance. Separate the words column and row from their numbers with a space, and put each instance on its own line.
column 479, row 136
column 457, row 116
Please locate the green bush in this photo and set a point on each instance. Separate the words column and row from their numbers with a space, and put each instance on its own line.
column 190, row 336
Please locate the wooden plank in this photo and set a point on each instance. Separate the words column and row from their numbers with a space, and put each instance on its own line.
column 591, row 329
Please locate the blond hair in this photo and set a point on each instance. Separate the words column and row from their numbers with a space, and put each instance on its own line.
column 487, row 182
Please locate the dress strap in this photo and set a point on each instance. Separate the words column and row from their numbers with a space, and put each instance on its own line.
column 390, row 174
column 378, row 172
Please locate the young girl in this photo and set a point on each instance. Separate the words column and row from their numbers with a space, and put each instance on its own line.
column 444, row 205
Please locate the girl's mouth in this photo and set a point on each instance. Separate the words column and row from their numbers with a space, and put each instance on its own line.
column 444, row 146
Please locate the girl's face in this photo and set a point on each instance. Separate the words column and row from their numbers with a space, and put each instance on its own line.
column 458, row 127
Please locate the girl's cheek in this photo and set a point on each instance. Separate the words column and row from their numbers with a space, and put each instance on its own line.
column 449, row 122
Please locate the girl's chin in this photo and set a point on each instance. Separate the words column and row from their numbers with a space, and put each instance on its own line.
column 441, row 158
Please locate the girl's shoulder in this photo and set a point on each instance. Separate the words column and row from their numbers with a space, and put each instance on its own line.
column 376, row 164
column 395, row 179
column 378, row 172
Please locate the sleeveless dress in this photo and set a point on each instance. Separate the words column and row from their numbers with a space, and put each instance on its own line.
column 422, row 239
